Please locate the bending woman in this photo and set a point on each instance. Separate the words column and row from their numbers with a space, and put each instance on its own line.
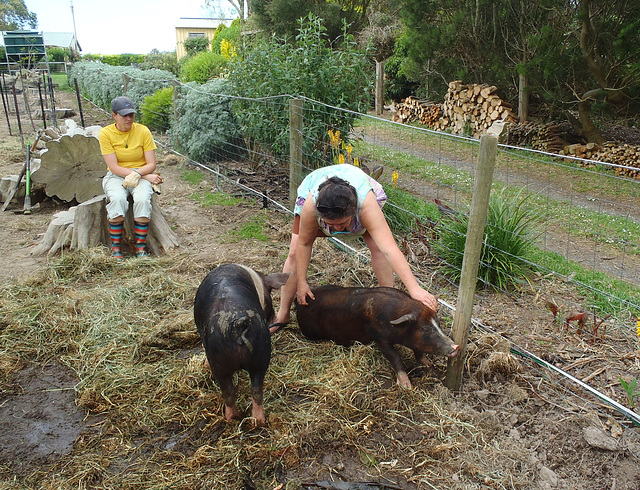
column 342, row 201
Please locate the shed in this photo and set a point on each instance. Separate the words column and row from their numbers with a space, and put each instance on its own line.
column 189, row 27
column 62, row 40
column 57, row 39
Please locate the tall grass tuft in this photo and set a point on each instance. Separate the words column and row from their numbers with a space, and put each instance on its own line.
column 508, row 240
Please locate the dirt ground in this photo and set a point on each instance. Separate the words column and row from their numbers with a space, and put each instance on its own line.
column 526, row 425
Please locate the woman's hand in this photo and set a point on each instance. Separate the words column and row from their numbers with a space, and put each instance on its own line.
column 426, row 298
column 154, row 178
column 302, row 292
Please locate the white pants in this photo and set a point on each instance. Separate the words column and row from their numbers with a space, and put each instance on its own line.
column 117, row 197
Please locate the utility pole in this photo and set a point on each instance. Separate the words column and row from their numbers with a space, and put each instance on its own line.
column 73, row 18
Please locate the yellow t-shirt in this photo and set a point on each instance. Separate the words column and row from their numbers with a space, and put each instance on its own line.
column 129, row 147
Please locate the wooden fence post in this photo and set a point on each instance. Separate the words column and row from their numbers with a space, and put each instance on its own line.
column 472, row 252
column 295, row 147
column 379, row 88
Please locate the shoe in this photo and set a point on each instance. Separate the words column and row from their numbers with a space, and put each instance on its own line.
column 279, row 325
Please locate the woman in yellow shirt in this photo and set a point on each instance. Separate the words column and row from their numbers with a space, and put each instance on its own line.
column 128, row 150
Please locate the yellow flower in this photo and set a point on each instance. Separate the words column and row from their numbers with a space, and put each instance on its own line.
column 356, row 161
column 341, row 158
column 226, row 49
column 334, row 137
column 638, row 328
column 394, row 178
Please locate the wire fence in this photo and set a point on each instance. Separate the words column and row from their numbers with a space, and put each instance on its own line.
column 586, row 256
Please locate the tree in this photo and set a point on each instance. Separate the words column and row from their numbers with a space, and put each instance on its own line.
column 15, row 15
column 280, row 17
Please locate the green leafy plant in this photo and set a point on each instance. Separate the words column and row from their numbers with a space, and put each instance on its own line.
column 206, row 129
column 508, row 240
column 202, row 66
column 195, row 45
column 156, row 110
column 309, row 66
column 630, row 390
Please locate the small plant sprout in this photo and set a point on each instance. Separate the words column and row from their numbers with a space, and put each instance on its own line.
column 630, row 390
column 577, row 316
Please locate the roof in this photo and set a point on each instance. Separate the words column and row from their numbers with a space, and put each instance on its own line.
column 59, row 39
column 201, row 22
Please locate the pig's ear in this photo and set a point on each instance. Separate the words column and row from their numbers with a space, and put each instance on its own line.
column 275, row 281
column 404, row 318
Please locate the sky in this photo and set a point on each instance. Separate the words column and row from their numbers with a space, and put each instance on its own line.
column 118, row 26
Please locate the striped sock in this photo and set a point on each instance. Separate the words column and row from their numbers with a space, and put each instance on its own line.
column 141, row 230
column 115, row 230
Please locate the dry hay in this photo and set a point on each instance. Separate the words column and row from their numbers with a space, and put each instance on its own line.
column 126, row 330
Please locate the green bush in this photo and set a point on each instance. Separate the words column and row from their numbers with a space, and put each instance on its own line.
column 231, row 34
column 126, row 59
column 508, row 241
column 101, row 83
column 206, row 129
column 195, row 45
column 202, row 67
column 310, row 68
column 161, row 60
column 156, row 110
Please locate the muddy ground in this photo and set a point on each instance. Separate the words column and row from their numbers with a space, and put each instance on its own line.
column 534, row 436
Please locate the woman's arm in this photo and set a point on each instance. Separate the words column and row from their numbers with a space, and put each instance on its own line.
column 306, row 236
column 373, row 220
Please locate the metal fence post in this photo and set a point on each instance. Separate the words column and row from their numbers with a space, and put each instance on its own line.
column 295, row 147
column 472, row 252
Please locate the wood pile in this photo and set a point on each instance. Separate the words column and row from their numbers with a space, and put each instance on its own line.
column 417, row 110
column 543, row 137
column 473, row 108
column 467, row 108
column 625, row 156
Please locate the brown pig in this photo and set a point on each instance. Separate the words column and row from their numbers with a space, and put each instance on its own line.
column 386, row 316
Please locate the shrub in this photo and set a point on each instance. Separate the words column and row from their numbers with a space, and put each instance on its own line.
column 161, row 60
column 202, row 67
column 101, row 83
column 311, row 68
column 156, row 110
column 206, row 130
column 195, row 45
column 508, row 240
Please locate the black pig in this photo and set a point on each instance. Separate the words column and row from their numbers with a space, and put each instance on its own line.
column 232, row 310
column 386, row 316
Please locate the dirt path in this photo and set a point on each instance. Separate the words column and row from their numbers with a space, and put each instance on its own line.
column 582, row 250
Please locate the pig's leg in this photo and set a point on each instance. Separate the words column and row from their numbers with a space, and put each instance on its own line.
column 257, row 409
column 396, row 363
column 228, row 396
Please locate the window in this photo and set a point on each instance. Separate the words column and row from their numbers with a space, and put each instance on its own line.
column 196, row 34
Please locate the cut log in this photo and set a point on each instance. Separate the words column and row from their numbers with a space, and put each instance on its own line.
column 72, row 168
column 85, row 226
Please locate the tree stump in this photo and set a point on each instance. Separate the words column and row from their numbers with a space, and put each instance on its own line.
column 71, row 168
column 85, row 226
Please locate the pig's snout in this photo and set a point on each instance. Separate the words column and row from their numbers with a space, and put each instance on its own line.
column 455, row 350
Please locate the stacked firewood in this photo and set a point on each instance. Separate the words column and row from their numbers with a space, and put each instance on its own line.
column 467, row 108
column 543, row 137
column 625, row 155
column 417, row 110
column 473, row 108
